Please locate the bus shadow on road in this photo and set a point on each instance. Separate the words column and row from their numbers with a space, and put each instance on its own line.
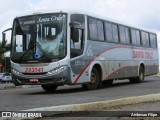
column 59, row 91
column 78, row 89
column 119, row 83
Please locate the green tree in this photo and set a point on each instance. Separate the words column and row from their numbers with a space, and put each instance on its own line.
column 4, row 47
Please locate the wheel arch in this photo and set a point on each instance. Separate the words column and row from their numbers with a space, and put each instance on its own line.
column 98, row 67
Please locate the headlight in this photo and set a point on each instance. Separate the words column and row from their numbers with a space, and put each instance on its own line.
column 57, row 70
column 15, row 71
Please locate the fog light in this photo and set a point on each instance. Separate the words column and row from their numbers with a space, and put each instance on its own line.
column 15, row 71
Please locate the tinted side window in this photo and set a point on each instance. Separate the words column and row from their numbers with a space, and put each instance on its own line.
column 143, row 35
column 93, row 29
column 100, row 30
column 138, row 37
column 115, row 33
column 122, row 34
column 147, row 40
column 108, row 32
column 153, row 41
column 127, row 35
column 133, row 37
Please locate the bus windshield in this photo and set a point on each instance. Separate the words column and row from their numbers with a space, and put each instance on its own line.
column 39, row 37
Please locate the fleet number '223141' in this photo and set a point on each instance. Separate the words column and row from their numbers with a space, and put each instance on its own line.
column 33, row 70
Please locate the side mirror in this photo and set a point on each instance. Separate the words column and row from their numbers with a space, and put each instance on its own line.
column 4, row 34
column 75, row 34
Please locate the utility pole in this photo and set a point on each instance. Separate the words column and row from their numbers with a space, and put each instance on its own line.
column 5, row 65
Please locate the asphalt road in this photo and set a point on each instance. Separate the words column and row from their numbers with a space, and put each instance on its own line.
column 151, row 110
column 28, row 98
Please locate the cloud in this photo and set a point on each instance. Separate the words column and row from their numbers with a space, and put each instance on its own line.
column 135, row 12
column 9, row 10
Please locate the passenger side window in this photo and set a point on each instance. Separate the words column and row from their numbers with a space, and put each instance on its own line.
column 153, row 42
column 93, row 29
column 138, row 38
column 100, row 30
column 109, row 35
column 127, row 35
column 115, row 33
column 96, row 30
column 122, row 34
column 133, row 37
column 145, row 39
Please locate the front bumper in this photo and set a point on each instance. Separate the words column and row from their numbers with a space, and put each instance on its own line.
column 61, row 78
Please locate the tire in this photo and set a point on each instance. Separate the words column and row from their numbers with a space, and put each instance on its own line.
column 140, row 77
column 49, row 88
column 95, row 81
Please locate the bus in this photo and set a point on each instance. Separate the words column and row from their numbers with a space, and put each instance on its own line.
column 53, row 49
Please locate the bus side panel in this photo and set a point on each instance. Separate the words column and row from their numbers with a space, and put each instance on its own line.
column 119, row 59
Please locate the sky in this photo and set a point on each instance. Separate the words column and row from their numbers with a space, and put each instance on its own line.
column 142, row 13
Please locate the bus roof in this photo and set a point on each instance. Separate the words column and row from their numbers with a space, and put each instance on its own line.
column 78, row 11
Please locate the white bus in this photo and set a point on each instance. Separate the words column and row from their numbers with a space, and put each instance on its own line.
column 54, row 49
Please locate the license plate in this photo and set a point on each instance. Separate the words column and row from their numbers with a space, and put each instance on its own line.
column 34, row 80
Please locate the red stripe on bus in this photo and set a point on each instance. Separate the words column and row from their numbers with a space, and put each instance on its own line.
column 121, row 69
column 129, row 67
column 76, row 80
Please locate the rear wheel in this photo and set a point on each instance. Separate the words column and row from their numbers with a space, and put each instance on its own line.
column 49, row 88
column 94, row 82
column 140, row 78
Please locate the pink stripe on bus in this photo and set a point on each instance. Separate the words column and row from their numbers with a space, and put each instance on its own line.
column 95, row 57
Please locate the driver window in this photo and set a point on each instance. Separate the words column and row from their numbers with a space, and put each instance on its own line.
column 77, row 47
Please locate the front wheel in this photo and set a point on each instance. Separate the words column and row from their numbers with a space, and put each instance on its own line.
column 49, row 88
column 94, row 82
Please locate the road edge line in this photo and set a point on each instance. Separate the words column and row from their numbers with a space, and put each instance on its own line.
column 92, row 106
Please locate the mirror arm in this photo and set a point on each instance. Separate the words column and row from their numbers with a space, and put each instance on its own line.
column 4, row 35
column 7, row 30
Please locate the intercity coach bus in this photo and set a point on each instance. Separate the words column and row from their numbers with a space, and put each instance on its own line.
column 55, row 49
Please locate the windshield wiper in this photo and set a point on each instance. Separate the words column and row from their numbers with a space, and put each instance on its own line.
column 40, row 48
column 26, row 52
